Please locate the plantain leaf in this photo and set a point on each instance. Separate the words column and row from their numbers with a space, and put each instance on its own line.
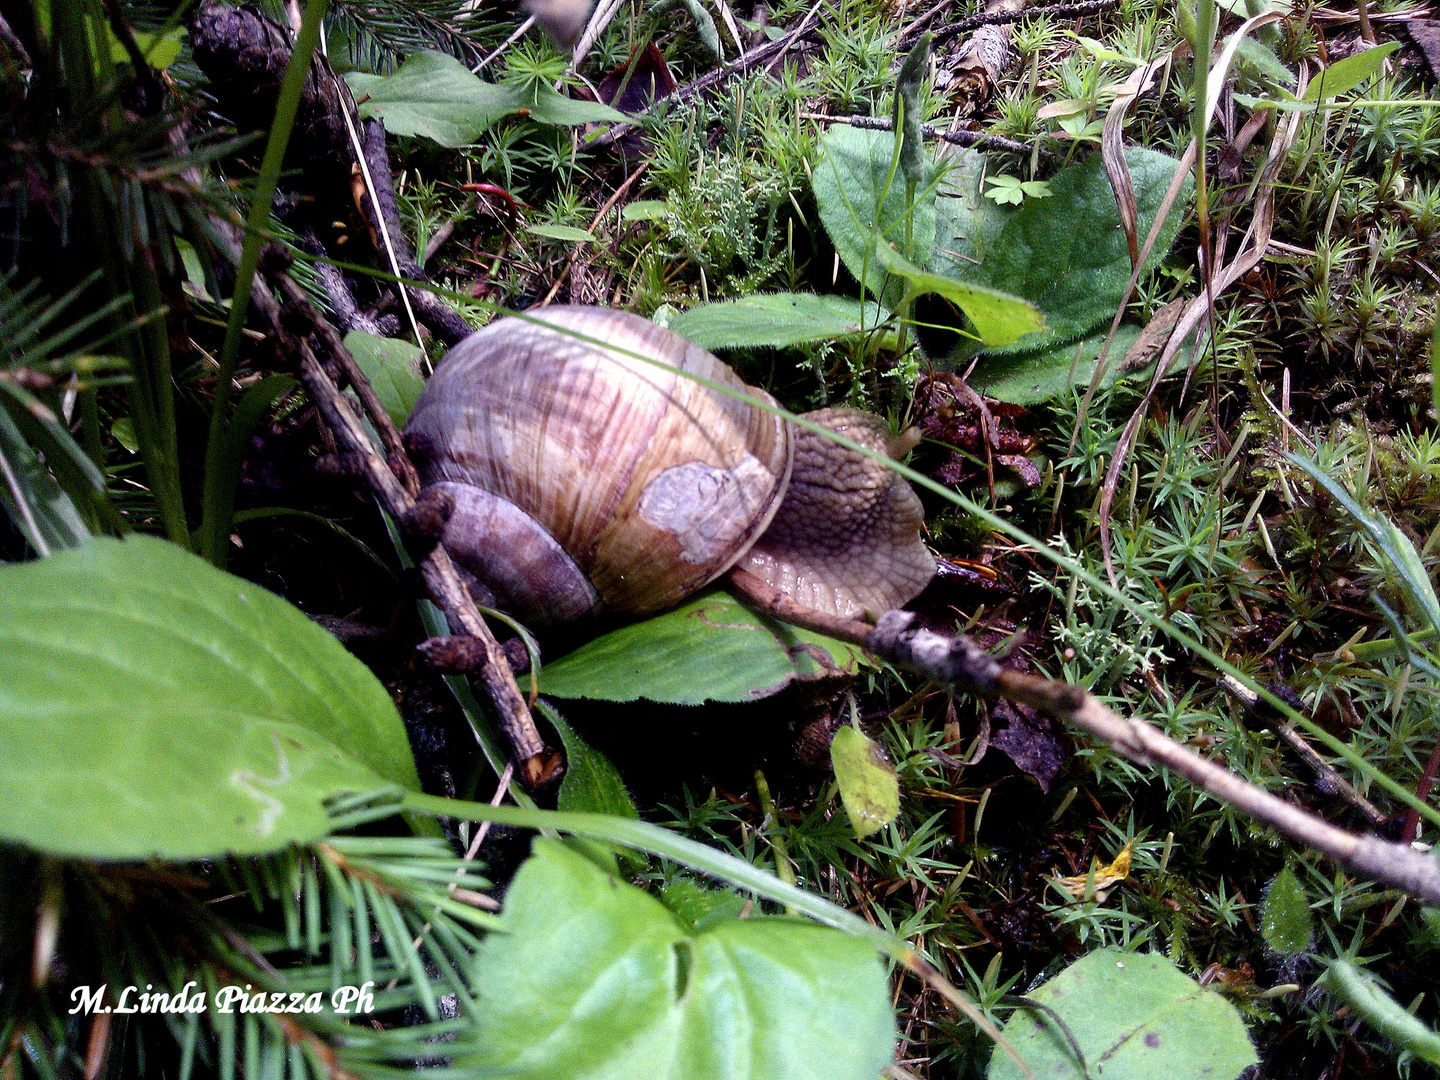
column 861, row 197
column 150, row 655
column 966, row 222
column 998, row 317
column 869, row 790
column 777, row 321
column 713, row 648
column 1067, row 254
column 1129, row 1015
column 595, row 978
column 436, row 96
column 1031, row 377
column 591, row 783
column 156, row 778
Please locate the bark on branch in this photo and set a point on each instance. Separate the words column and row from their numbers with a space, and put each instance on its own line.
column 957, row 660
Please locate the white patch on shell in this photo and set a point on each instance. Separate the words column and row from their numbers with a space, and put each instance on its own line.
column 708, row 509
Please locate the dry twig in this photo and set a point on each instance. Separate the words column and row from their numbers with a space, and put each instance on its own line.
column 976, row 139
column 960, row 662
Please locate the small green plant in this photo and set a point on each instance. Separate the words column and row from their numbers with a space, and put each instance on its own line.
column 1012, row 191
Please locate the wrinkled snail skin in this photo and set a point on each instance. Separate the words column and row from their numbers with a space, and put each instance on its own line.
column 587, row 480
column 846, row 539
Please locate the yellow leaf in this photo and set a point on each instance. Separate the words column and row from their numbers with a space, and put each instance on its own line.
column 1105, row 876
column 869, row 790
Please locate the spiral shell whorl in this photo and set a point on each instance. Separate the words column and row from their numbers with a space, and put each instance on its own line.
column 650, row 481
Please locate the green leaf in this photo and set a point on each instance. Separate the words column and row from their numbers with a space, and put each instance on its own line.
column 868, row 787
column 1133, row 1015
column 1435, row 366
column 124, row 431
column 591, row 783
column 550, row 107
column 1032, row 377
column 1349, row 73
column 1382, row 1012
column 712, row 648
column 392, row 366
column 142, row 621
column 966, row 222
column 437, row 96
column 36, row 505
column 154, row 777
column 698, row 906
column 777, row 321
column 861, row 198
column 159, row 50
column 1005, row 190
column 1067, row 253
column 646, row 210
column 1265, row 62
column 998, row 317
column 562, row 232
column 434, row 95
column 595, row 978
column 1285, row 919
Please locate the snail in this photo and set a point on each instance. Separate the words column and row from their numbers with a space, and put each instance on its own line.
column 584, row 480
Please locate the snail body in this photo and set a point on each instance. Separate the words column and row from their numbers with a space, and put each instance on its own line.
column 595, row 467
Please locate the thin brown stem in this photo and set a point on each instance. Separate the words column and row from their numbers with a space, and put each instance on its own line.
column 957, row 660
column 536, row 762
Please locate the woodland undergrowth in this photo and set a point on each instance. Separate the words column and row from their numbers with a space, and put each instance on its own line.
column 1322, row 350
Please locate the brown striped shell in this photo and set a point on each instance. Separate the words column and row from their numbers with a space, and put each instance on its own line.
column 650, row 483
column 594, row 466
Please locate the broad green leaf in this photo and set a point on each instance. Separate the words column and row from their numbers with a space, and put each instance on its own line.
column 391, row 365
column 645, row 210
column 1067, row 254
column 868, row 787
column 1032, row 377
column 1133, row 1015
column 861, row 197
column 549, row 107
column 594, row 978
column 1382, row 1012
column 1265, row 62
column 150, row 776
column 437, row 96
column 998, row 317
column 562, row 232
column 966, row 222
column 1285, row 919
column 777, row 320
column 591, row 783
column 712, row 648
column 159, row 50
column 434, row 95
column 1349, row 73
column 140, row 622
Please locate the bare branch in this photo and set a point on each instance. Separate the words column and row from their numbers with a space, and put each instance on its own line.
column 898, row 639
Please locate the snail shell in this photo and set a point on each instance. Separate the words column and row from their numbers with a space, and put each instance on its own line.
column 595, row 467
